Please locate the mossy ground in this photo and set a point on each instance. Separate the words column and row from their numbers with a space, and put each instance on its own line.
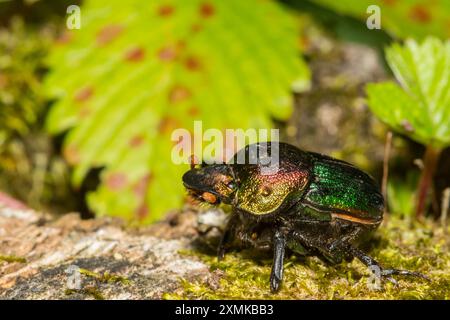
column 422, row 247
column 93, row 289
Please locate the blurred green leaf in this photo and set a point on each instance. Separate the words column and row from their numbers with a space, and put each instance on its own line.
column 400, row 18
column 138, row 70
column 420, row 106
column 401, row 194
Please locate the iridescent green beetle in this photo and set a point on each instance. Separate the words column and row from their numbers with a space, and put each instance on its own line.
column 308, row 203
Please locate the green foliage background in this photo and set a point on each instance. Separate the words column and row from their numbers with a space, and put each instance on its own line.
column 400, row 18
column 30, row 168
column 138, row 70
column 419, row 106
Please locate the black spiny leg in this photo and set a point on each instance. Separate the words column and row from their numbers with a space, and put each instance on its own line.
column 226, row 237
column 276, row 276
column 383, row 273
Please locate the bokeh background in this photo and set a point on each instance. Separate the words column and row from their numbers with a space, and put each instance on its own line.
column 86, row 115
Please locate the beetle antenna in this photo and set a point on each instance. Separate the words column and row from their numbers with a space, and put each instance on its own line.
column 193, row 161
column 232, row 172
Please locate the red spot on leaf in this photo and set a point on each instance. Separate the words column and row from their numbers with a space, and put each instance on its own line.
column 116, row 181
column 167, row 125
column 135, row 54
column 419, row 13
column 83, row 94
column 207, row 10
column 171, row 52
column 185, row 143
column 167, row 53
column 166, row 10
column 179, row 93
column 137, row 140
column 71, row 154
column 108, row 34
column 64, row 38
column 192, row 63
column 181, row 45
column 194, row 111
column 196, row 27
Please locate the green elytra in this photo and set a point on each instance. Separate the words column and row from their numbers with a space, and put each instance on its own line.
column 321, row 183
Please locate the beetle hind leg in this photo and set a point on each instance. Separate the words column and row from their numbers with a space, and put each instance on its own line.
column 380, row 272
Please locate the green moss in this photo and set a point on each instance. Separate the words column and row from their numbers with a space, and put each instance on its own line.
column 11, row 259
column 90, row 291
column 106, row 277
column 94, row 290
column 398, row 244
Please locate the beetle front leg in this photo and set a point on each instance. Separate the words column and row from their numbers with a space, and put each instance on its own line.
column 276, row 276
column 226, row 237
column 378, row 270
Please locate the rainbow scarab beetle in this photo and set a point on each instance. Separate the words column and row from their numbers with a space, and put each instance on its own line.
column 308, row 204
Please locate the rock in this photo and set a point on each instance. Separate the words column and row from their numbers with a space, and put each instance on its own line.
column 70, row 258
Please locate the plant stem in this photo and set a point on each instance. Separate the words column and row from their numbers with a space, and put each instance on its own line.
column 387, row 151
column 430, row 161
column 445, row 205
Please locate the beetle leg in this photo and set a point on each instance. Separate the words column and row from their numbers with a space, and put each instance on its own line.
column 226, row 237
column 379, row 271
column 276, row 276
column 258, row 243
column 388, row 272
column 338, row 247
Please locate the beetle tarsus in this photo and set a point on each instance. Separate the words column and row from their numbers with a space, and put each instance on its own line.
column 385, row 274
column 276, row 276
column 389, row 272
column 220, row 253
column 221, row 250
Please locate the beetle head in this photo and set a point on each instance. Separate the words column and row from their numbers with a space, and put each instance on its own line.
column 211, row 183
column 251, row 186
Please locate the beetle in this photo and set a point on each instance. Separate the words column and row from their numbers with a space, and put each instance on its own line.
column 307, row 203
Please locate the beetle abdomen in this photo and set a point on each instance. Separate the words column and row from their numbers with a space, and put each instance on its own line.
column 344, row 191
